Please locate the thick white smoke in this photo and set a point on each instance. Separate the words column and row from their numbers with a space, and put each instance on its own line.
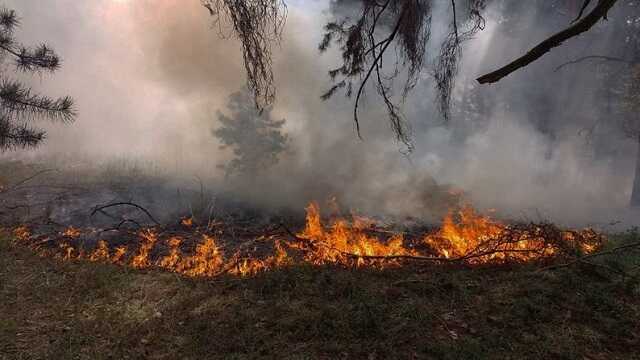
column 148, row 77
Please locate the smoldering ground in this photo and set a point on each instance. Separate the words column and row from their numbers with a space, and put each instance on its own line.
column 148, row 77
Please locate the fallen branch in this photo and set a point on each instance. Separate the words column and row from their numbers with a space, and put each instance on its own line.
column 101, row 208
column 435, row 258
column 583, row 258
column 23, row 181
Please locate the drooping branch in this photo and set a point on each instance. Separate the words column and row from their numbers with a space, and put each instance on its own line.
column 446, row 67
column 365, row 40
column 382, row 89
column 257, row 24
column 584, row 24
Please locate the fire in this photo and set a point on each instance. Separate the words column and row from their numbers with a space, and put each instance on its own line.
column 458, row 239
column 479, row 239
column 119, row 255
column 72, row 232
column 464, row 237
column 207, row 260
column 67, row 251
column 171, row 261
column 101, row 252
column 343, row 242
column 188, row 222
column 22, row 233
column 141, row 260
column 252, row 266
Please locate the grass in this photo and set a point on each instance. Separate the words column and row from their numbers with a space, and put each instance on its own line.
column 77, row 310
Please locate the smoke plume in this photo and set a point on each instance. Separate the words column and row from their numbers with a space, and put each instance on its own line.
column 148, row 77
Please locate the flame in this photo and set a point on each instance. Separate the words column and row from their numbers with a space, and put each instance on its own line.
column 188, row 222
column 479, row 239
column 465, row 236
column 119, row 255
column 343, row 242
column 22, row 233
column 72, row 232
column 141, row 260
column 458, row 239
column 101, row 252
column 67, row 251
column 171, row 261
column 207, row 260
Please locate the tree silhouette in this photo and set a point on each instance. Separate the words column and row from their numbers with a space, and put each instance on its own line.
column 254, row 137
column 19, row 106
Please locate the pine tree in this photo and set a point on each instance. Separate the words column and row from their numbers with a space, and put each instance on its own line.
column 254, row 137
column 19, row 105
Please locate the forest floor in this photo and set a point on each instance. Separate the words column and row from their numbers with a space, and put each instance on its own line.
column 80, row 310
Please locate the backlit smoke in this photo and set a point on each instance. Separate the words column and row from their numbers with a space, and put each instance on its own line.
column 148, row 77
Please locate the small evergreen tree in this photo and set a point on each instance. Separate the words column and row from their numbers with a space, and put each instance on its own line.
column 19, row 106
column 254, row 137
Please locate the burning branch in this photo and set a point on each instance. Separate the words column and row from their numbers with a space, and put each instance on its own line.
column 465, row 239
column 583, row 259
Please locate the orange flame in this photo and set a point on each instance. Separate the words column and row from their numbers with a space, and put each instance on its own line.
column 479, row 239
column 72, row 232
column 101, row 252
column 22, row 233
column 207, row 260
column 119, row 255
column 141, row 260
column 344, row 242
column 171, row 261
column 457, row 239
column 465, row 236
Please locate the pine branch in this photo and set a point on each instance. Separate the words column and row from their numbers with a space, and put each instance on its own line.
column 18, row 136
column 20, row 102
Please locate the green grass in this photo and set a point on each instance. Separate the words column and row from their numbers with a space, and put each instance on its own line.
column 54, row 310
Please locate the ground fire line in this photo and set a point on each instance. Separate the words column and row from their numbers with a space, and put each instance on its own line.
column 465, row 237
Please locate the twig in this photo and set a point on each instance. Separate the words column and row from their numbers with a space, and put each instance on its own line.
column 590, row 57
column 100, row 208
column 581, row 259
column 23, row 181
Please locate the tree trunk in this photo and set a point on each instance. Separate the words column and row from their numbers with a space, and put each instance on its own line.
column 635, row 193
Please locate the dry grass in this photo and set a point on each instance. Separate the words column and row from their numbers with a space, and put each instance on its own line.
column 54, row 310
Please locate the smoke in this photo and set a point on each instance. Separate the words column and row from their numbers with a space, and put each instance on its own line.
column 148, row 77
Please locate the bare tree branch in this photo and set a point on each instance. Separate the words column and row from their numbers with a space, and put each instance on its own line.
column 592, row 57
column 101, row 208
column 599, row 12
